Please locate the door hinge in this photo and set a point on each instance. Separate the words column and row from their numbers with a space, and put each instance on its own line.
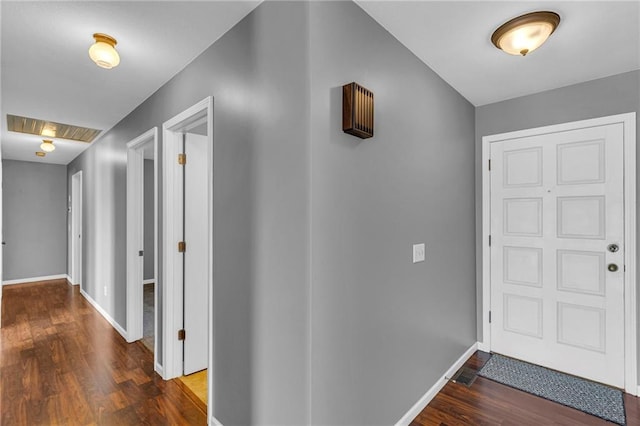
column 140, row 252
column 489, row 317
column 489, row 164
column 181, row 334
column 182, row 159
column 489, row 240
column 182, row 246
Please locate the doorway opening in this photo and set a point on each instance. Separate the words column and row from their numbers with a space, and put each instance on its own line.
column 142, row 294
column 187, row 242
column 76, row 229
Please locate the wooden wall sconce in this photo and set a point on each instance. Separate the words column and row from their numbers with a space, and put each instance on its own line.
column 357, row 111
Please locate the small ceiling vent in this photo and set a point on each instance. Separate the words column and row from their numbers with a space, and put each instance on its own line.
column 50, row 129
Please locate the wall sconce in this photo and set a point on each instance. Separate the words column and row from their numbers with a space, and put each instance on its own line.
column 357, row 111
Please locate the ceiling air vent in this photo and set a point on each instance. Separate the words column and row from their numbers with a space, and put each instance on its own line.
column 50, row 129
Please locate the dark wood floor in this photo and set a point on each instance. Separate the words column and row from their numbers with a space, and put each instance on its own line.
column 62, row 363
column 490, row 403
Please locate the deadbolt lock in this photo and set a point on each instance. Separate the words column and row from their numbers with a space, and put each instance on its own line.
column 613, row 248
column 612, row 267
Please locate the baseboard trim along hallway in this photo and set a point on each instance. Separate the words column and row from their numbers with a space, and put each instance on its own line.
column 35, row 279
column 433, row 391
column 104, row 313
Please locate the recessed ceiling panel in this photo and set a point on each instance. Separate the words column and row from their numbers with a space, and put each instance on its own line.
column 50, row 129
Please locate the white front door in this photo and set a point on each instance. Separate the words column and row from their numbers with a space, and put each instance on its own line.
column 196, row 255
column 557, row 251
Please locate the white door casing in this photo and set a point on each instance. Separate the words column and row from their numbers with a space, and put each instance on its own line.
column 195, row 256
column 172, row 227
column 557, row 201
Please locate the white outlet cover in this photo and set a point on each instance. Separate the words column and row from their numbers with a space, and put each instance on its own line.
column 418, row 253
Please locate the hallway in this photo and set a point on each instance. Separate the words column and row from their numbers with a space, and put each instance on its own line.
column 62, row 363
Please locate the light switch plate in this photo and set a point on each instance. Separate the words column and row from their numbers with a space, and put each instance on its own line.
column 418, row 253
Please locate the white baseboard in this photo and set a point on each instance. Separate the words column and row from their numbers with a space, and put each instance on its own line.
column 34, row 279
column 431, row 393
column 158, row 368
column 149, row 281
column 104, row 313
column 214, row 422
column 482, row 347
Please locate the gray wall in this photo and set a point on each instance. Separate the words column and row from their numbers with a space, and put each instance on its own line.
column 258, row 76
column 384, row 329
column 149, row 224
column 598, row 98
column 34, row 219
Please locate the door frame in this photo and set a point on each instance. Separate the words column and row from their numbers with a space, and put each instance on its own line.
column 172, row 300
column 628, row 121
column 76, row 226
column 135, row 235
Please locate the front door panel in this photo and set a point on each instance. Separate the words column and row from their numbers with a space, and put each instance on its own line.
column 557, row 296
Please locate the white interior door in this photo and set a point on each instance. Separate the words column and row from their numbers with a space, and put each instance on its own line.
column 76, row 228
column 557, row 251
column 1, row 238
column 196, row 255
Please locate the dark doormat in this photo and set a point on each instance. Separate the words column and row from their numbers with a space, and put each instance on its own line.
column 590, row 397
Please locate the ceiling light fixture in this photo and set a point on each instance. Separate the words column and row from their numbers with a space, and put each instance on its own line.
column 524, row 34
column 40, row 153
column 103, row 51
column 47, row 145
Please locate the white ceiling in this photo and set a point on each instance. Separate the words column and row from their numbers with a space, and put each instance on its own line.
column 594, row 39
column 46, row 72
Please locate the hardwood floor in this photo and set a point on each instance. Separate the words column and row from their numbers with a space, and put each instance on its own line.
column 490, row 403
column 197, row 382
column 62, row 363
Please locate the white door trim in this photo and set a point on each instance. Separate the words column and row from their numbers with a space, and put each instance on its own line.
column 135, row 231
column 76, row 226
column 171, row 230
column 628, row 121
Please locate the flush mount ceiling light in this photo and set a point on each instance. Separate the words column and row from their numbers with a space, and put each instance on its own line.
column 103, row 51
column 47, row 145
column 524, row 34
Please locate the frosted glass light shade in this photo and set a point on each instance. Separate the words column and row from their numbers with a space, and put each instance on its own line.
column 103, row 51
column 524, row 34
column 47, row 145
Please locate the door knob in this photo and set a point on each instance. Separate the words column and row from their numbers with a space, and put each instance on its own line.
column 613, row 248
column 612, row 267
